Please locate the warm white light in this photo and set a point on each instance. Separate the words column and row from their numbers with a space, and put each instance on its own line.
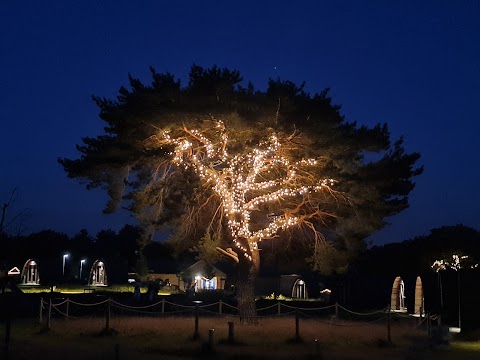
column 455, row 263
column 246, row 183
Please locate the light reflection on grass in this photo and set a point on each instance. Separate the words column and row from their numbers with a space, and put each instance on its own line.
column 80, row 289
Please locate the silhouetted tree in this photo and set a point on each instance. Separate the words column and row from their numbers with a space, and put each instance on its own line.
column 15, row 220
column 131, row 242
column 82, row 243
column 226, row 167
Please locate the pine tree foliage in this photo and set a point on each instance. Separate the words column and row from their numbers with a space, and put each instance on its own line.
column 312, row 179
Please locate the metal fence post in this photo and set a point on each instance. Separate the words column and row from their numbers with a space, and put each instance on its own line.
column 278, row 308
column 163, row 305
column 220, row 306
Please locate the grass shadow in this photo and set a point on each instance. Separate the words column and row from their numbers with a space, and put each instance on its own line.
column 295, row 340
column 107, row 332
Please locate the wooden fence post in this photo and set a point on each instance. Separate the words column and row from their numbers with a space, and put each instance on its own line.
column 389, row 339
column 211, row 342
column 429, row 325
column 68, row 305
column 40, row 313
column 8, row 329
column 107, row 318
column 49, row 313
column 297, row 326
column 318, row 354
column 231, row 332
column 196, row 335
column 116, row 350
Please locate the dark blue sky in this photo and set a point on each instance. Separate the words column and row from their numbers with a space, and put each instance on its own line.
column 412, row 64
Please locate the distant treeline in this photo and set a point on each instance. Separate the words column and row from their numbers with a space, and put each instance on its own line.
column 123, row 251
column 366, row 284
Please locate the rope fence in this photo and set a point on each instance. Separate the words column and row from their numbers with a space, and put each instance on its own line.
column 331, row 315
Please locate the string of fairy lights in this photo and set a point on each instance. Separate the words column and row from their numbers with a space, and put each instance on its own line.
column 456, row 263
column 244, row 182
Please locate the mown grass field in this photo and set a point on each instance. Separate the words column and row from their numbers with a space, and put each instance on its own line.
column 151, row 336
column 273, row 338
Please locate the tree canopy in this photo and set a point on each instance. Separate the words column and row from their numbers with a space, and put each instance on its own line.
column 227, row 166
column 217, row 161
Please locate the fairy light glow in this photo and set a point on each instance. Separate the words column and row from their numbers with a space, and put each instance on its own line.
column 245, row 183
column 456, row 263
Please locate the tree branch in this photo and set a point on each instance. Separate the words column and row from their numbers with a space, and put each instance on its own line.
column 228, row 253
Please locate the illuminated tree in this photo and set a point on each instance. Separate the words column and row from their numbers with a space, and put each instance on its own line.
column 227, row 167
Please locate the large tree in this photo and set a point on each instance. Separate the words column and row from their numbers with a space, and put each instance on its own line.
column 226, row 167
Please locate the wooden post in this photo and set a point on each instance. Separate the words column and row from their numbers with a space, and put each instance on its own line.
column 317, row 349
column 220, row 306
column 49, row 313
column 196, row 335
column 297, row 326
column 389, row 339
column 66, row 311
column 40, row 313
column 420, row 317
column 116, row 350
column 163, row 305
column 231, row 332
column 279, row 308
column 8, row 329
column 428, row 325
column 107, row 320
column 211, row 342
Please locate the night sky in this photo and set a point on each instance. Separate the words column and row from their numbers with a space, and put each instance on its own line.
column 412, row 64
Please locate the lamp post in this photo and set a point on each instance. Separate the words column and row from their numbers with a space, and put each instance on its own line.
column 440, row 265
column 81, row 267
column 63, row 268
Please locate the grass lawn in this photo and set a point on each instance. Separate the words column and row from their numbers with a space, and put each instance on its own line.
column 273, row 338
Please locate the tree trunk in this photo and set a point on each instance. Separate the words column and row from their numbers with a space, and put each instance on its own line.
column 245, row 287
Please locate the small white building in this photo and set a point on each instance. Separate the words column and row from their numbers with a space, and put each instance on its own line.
column 206, row 276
